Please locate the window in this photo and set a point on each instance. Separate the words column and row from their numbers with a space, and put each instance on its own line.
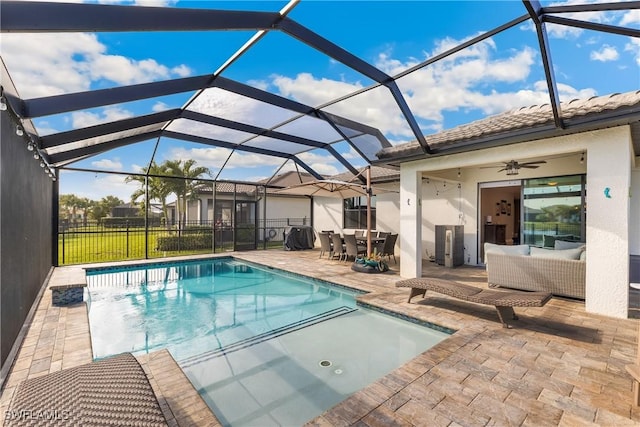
column 554, row 209
column 355, row 213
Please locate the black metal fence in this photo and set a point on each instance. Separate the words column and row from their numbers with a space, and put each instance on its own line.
column 88, row 242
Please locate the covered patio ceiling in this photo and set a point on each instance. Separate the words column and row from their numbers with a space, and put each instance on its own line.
column 279, row 127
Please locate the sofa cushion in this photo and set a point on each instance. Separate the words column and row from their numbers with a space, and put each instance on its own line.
column 505, row 249
column 557, row 254
column 562, row 244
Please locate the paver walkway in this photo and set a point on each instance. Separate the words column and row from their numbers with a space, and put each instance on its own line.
column 558, row 366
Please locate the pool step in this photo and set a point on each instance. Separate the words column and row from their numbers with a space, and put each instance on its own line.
column 248, row 342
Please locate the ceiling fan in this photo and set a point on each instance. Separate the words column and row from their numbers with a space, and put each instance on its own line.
column 512, row 166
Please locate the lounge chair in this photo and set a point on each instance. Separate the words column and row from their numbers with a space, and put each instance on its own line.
column 113, row 391
column 504, row 301
column 634, row 370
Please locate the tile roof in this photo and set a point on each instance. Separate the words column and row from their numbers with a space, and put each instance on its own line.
column 378, row 174
column 527, row 117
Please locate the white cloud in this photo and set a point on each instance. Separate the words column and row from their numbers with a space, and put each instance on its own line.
column 181, row 71
column 448, row 85
column 631, row 17
column 81, row 119
column 108, row 164
column 52, row 64
column 634, row 47
column 159, row 106
column 259, row 84
column 126, row 71
column 605, row 54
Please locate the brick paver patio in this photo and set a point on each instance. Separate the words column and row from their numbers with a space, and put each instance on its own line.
column 558, row 366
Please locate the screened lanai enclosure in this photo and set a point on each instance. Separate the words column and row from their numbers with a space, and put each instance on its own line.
column 156, row 131
column 238, row 131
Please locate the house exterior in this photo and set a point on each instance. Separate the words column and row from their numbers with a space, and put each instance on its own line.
column 600, row 142
column 591, row 166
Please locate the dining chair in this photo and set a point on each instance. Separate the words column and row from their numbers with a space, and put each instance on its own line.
column 338, row 247
column 390, row 247
column 325, row 244
column 352, row 248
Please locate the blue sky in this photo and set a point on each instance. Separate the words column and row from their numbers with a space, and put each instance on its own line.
column 502, row 73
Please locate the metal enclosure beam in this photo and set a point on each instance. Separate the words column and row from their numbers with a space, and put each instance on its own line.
column 45, row 106
column 534, row 9
column 18, row 16
column 62, row 138
column 231, row 146
column 631, row 32
column 91, row 150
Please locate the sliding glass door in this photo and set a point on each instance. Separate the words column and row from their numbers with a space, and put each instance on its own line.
column 553, row 209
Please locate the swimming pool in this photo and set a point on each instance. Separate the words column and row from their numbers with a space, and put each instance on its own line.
column 261, row 346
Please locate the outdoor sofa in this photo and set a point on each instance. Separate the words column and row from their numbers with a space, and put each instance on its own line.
column 560, row 271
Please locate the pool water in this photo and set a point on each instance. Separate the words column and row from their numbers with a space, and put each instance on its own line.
column 262, row 346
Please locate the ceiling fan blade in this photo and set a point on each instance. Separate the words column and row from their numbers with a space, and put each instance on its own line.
column 503, row 169
column 538, row 162
column 529, row 166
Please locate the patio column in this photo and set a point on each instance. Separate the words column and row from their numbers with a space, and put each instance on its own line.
column 608, row 182
column 410, row 235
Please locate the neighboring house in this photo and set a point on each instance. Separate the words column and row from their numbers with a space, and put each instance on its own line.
column 126, row 210
column 467, row 180
column 251, row 207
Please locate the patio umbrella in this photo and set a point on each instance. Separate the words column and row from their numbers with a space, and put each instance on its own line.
column 338, row 189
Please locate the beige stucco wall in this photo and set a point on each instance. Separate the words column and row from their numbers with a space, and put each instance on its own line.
column 286, row 207
column 328, row 212
column 609, row 167
column 608, row 162
column 634, row 215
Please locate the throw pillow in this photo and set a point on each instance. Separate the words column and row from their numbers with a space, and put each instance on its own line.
column 561, row 244
column 549, row 240
column 505, row 249
column 557, row 254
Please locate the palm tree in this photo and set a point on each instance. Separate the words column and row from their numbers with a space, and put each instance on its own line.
column 73, row 203
column 187, row 187
column 159, row 188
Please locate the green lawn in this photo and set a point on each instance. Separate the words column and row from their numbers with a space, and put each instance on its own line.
column 120, row 245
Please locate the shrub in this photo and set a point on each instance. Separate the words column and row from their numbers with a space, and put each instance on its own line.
column 184, row 242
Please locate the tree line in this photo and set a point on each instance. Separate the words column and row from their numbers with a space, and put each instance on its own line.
column 176, row 177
